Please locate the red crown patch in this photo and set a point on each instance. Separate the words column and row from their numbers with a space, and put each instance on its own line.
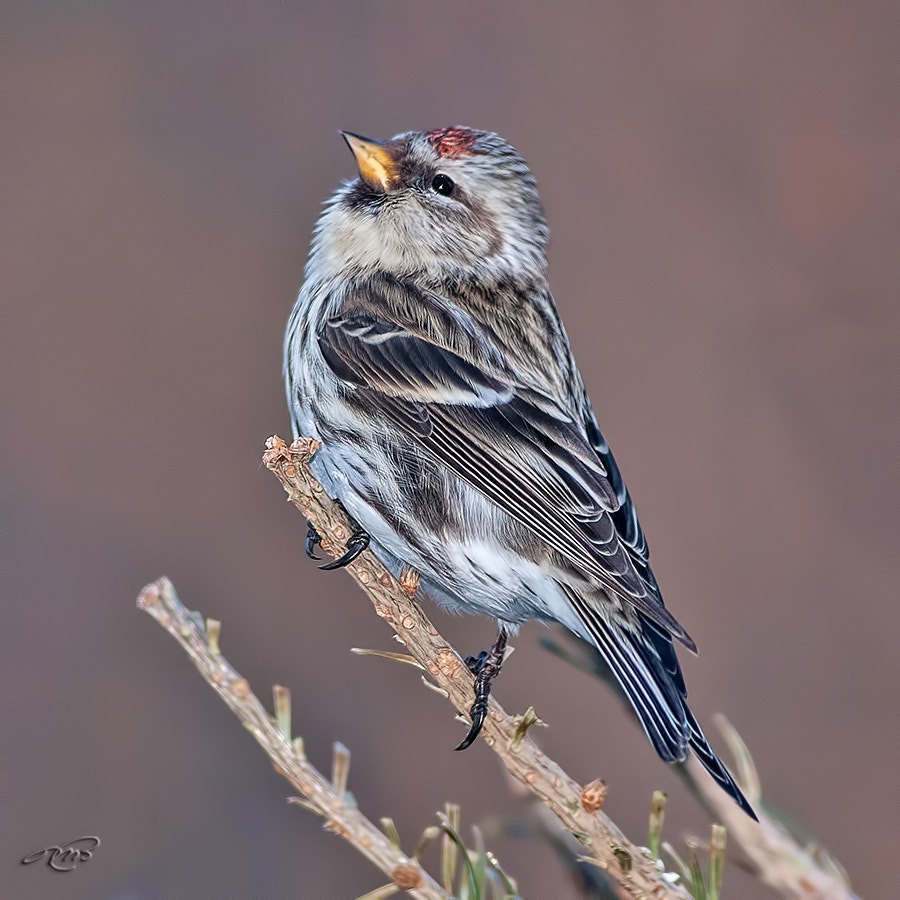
column 453, row 143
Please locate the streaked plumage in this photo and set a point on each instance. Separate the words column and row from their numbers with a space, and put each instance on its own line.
column 426, row 353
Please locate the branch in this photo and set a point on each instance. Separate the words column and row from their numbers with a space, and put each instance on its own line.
column 576, row 807
column 781, row 853
column 328, row 798
column 777, row 856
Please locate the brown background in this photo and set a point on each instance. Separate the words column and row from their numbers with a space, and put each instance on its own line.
column 717, row 181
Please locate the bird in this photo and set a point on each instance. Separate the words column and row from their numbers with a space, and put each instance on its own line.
column 426, row 355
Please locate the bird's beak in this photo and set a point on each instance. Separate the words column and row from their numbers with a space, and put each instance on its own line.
column 377, row 166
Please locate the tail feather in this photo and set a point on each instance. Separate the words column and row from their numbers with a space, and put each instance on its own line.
column 649, row 688
column 715, row 766
column 644, row 663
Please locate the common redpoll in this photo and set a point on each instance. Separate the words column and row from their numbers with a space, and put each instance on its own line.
column 425, row 352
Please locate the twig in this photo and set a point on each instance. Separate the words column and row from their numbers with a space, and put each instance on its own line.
column 328, row 798
column 630, row 865
column 781, row 853
column 778, row 859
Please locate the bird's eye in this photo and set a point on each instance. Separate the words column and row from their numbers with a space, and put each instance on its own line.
column 443, row 185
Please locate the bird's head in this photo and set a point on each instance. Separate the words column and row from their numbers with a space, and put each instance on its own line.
column 452, row 202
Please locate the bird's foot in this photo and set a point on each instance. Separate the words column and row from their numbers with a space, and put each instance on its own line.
column 476, row 663
column 485, row 667
column 313, row 540
column 357, row 542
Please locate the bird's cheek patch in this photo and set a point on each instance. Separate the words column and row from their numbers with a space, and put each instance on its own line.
column 485, row 224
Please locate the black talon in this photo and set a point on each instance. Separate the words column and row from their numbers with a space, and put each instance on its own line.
column 485, row 667
column 313, row 540
column 478, row 713
column 358, row 542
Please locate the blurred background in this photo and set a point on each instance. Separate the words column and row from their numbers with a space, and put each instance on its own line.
column 718, row 186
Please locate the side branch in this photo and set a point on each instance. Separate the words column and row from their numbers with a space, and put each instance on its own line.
column 630, row 865
column 329, row 800
column 778, row 857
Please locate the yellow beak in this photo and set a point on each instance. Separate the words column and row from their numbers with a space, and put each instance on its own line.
column 376, row 164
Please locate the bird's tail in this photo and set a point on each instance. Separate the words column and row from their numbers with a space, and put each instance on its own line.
column 715, row 767
column 644, row 664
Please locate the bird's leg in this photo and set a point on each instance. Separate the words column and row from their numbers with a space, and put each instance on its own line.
column 357, row 542
column 485, row 667
column 313, row 540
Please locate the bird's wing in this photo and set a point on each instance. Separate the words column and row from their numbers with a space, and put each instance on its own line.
column 442, row 380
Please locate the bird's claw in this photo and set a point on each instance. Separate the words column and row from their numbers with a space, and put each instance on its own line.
column 313, row 540
column 358, row 542
column 478, row 712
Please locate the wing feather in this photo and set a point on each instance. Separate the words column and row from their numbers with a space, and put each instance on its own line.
column 521, row 447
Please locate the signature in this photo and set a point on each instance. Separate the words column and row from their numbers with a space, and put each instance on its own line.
column 66, row 857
